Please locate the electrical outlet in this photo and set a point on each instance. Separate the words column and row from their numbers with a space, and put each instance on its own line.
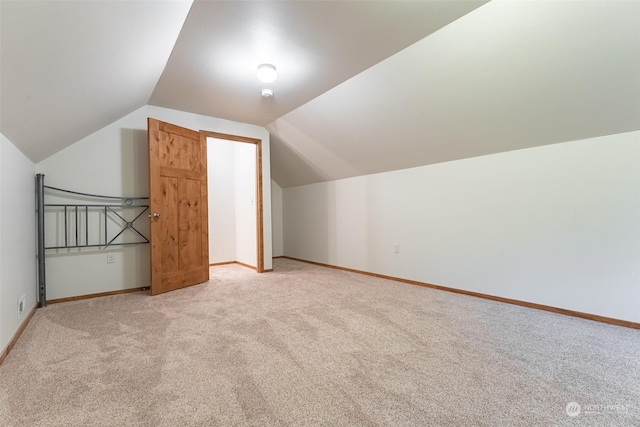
column 396, row 248
column 21, row 305
column 111, row 258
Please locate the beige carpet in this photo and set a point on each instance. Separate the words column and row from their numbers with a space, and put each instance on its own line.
column 308, row 345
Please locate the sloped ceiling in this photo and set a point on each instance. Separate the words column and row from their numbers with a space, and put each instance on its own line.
column 315, row 46
column 363, row 87
column 508, row 75
column 69, row 68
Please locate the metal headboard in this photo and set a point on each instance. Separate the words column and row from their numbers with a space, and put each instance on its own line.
column 76, row 223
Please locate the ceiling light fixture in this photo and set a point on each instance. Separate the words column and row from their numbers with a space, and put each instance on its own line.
column 267, row 93
column 267, row 73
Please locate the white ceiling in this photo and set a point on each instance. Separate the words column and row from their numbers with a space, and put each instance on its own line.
column 363, row 87
column 69, row 68
column 314, row 45
column 508, row 75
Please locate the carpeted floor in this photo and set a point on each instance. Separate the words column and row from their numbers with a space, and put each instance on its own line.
column 306, row 346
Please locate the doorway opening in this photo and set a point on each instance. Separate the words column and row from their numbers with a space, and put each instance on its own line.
column 234, row 166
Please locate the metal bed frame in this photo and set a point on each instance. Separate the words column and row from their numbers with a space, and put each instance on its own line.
column 76, row 231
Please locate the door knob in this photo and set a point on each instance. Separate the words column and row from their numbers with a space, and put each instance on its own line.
column 156, row 215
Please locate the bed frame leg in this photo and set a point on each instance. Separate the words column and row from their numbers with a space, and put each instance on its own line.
column 42, row 280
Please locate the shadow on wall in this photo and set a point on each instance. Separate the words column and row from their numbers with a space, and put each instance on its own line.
column 288, row 166
column 331, row 223
column 134, row 170
column 327, row 224
column 135, row 162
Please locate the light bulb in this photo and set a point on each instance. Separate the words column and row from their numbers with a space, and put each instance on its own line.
column 267, row 73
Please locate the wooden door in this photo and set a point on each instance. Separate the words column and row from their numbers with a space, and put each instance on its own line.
column 178, row 206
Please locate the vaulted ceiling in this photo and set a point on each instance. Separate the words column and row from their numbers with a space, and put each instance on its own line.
column 363, row 87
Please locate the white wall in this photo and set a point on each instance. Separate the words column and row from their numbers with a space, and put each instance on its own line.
column 556, row 225
column 276, row 215
column 245, row 204
column 114, row 161
column 18, row 238
column 222, row 200
column 232, row 208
